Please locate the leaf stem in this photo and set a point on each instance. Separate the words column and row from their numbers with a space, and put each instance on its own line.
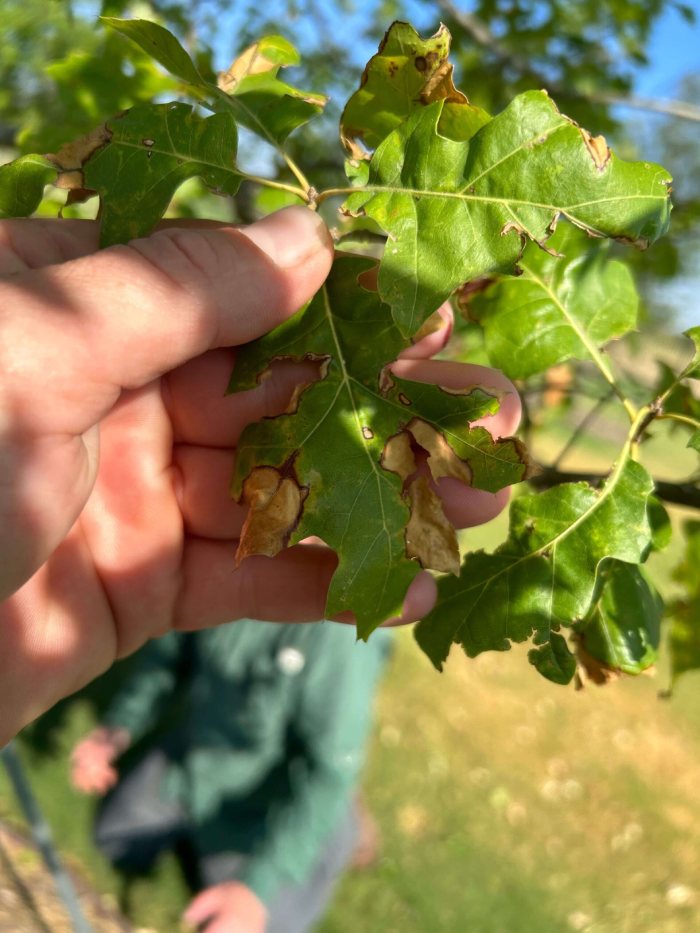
column 681, row 419
column 233, row 103
column 686, row 493
column 590, row 416
column 334, row 192
column 279, row 185
column 298, row 174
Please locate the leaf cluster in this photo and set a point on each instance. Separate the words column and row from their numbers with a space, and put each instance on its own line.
column 515, row 211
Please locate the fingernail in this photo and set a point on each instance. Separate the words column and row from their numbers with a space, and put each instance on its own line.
column 290, row 236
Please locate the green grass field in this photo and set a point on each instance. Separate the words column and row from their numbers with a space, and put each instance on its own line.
column 506, row 804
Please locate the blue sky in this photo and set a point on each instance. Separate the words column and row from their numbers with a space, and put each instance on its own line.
column 674, row 50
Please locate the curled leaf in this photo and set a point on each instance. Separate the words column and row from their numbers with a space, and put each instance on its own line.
column 259, row 99
column 22, row 184
column 407, row 73
column 624, row 630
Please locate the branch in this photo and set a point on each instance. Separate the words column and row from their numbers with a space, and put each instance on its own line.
column 687, row 494
column 483, row 36
column 673, row 108
column 581, row 428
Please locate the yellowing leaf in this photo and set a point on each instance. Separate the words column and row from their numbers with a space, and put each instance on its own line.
column 262, row 102
column 263, row 56
column 407, row 73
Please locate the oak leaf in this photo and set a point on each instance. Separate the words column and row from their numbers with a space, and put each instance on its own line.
column 341, row 446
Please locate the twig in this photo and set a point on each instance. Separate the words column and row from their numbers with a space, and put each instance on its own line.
column 673, row 108
column 686, row 494
column 581, row 427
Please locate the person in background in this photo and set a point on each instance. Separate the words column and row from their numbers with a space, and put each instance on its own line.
column 256, row 772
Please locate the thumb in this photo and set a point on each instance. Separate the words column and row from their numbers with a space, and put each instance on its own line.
column 124, row 316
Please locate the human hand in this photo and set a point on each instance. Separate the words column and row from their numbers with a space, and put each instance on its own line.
column 92, row 771
column 230, row 907
column 107, row 545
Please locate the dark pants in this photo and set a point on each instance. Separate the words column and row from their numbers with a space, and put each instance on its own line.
column 136, row 824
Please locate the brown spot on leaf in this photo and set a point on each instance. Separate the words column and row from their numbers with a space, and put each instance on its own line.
column 70, row 158
column 590, row 669
column 467, row 390
column 421, row 62
column 641, row 242
column 254, row 61
column 369, row 278
column 351, row 139
column 78, row 196
column 404, row 399
column 530, row 467
column 249, row 62
column 465, row 293
column 275, row 503
column 148, row 142
column 367, row 432
column 440, row 86
column 442, row 460
column 398, row 456
column 597, row 148
column 321, row 373
column 430, row 538
column 431, row 325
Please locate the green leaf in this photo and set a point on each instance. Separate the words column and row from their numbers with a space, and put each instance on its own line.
column 340, row 465
column 562, row 306
column 625, row 627
column 660, row 523
column 546, row 574
column 554, row 660
column 456, row 211
column 692, row 370
column 407, row 73
column 694, row 441
column 262, row 102
column 679, row 397
column 161, row 45
column 22, row 184
column 684, row 639
column 250, row 88
column 152, row 150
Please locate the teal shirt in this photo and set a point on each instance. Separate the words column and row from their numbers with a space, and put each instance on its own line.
column 272, row 735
